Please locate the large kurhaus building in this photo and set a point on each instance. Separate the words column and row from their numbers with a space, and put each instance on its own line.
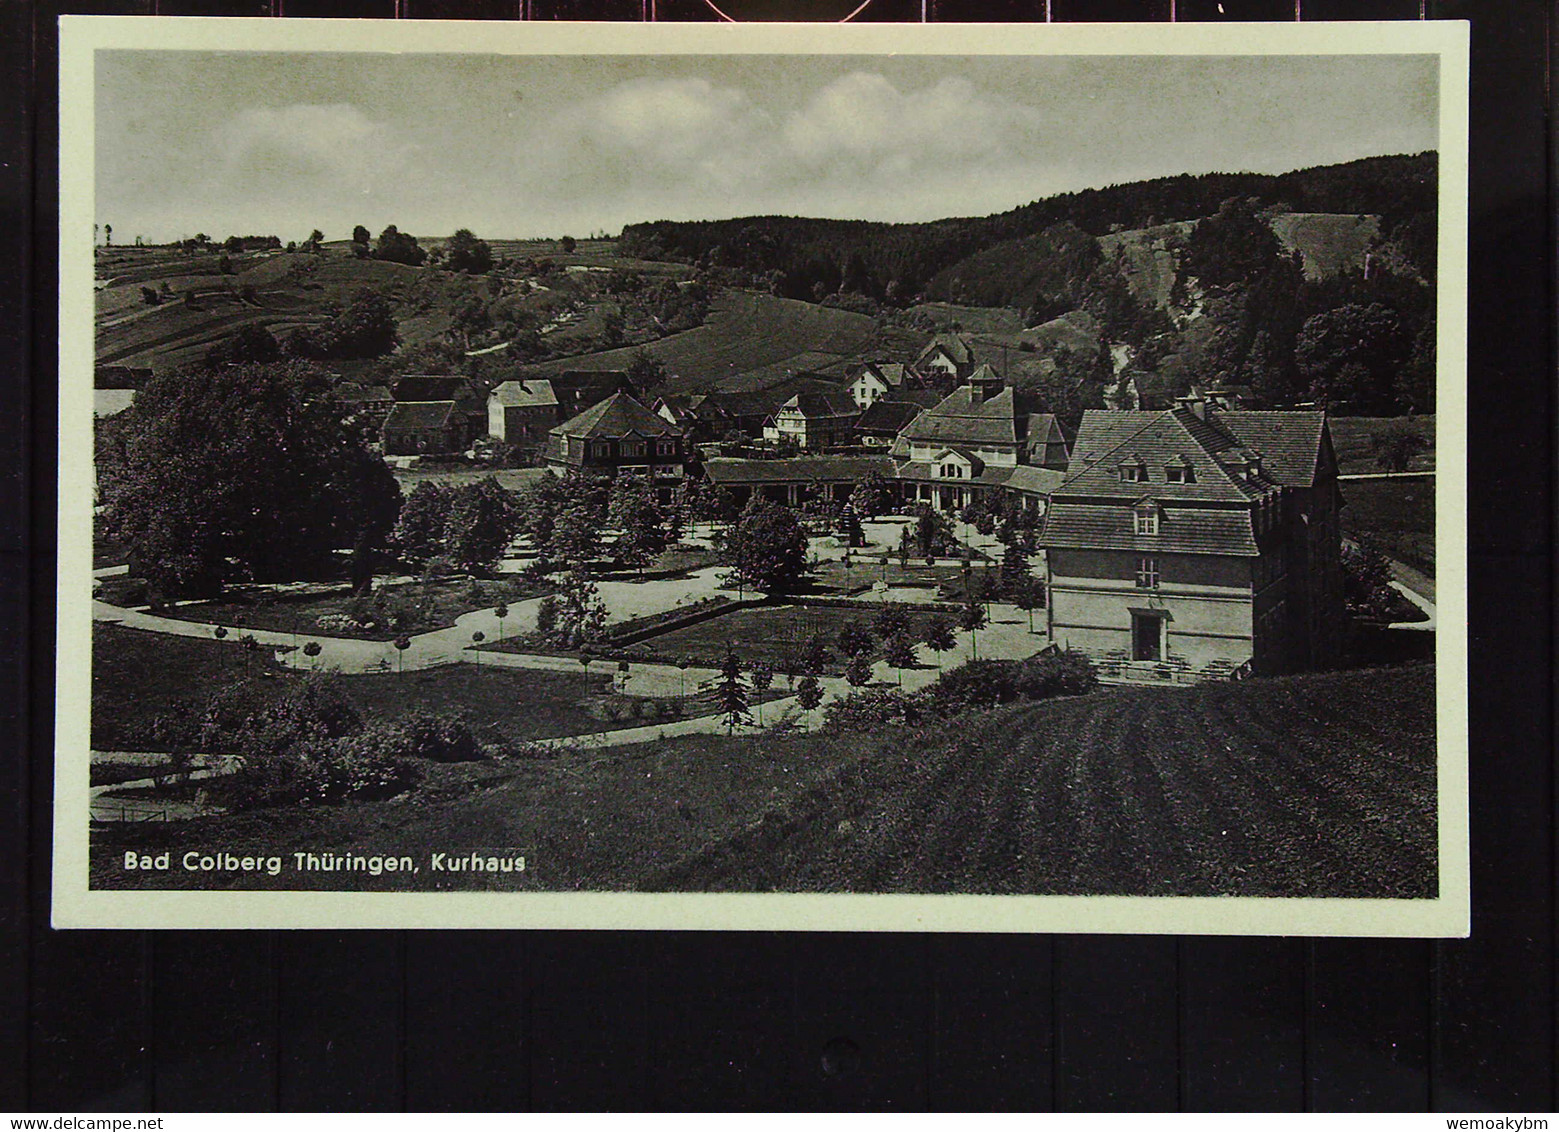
column 1194, row 543
column 620, row 437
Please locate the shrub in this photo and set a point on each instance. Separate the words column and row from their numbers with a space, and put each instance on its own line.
column 440, row 739
column 1062, row 673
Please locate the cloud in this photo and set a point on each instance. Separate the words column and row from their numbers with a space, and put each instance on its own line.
column 293, row 149
column 863, row 120
column 857, row 141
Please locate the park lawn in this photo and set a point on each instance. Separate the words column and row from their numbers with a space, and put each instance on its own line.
column 429, row 606
column 1320, row 785
column 773, row 634
column 138, row 675
column 1351, row 440
column 1396, row 516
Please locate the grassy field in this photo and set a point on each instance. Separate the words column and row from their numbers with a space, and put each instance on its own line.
column 745, row 333
column 1396, row 516
column 138, row 675
column 1351, row 439
column 1306, row 786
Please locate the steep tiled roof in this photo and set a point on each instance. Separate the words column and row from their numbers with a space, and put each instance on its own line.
column 419, row 415
column 1036, row 481
column 353, row 393
column 1047, row 441
column 961, row 419
column 885, row 416
column 525, row 394
column 1290, row 443
column 618, row 415
column 813, row 405
column 431, row 387
column 796, row 469
column 1071, row 525
column 956, row 346
column 1109, row 439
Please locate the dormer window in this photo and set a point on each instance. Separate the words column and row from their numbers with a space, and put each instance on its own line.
column 1145, row 518
column 1179, row 471
column 1134, row 472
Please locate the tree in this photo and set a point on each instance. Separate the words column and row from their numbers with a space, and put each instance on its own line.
column 972, row 619
column 1366, row 582
column 761, row 675
column 638, row 518
column 855, row 639
column 567, row 245
column 731, row 692
column 816, row 654
column 1233, row 246
column 466, row 253
column 418, row 536
column 252, row 343
column 809, row 693
column 891, row 621
column 932, row 533
column 871, row 494
column 767, row 548
column 858, row 672
column 480, row 525
column 316, row 238
column 1027, row 595
column 1352, row 353
column 939, row 637
column 500, row 611
column 1395, row 446
column 581, row 614
column 396, row 246
column 401, row 645
column 646, row 371
column 269, row 495
column 108, row 235
column 900, row 653
column 1014, row 568
column 312, row 650
column 360, row 235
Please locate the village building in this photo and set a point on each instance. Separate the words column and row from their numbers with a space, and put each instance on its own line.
column 578, row 390
column 620, row 437
column 1195, row 543
column 879, row 425
column 707, row 417
column 949, row 354
column 367, row 405
column 522, row 414
column 894, row 381
column 972, row 443
column 795, row 481
column 418, row 428
column 814, row 421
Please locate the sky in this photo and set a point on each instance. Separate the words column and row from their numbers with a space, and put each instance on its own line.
column 521, row 146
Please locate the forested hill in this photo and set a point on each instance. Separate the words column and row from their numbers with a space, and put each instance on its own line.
column 806, row 258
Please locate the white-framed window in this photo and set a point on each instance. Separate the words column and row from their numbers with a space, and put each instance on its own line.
column 601, row 448
column 1147, row 572
column 633, row 448
column 665, row 447
column 1146, row 520
column 1133, row 473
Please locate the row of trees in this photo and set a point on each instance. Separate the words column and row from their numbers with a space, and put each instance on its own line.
column 466, row 527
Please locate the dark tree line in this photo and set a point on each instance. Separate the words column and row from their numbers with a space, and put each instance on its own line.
column 799, row 257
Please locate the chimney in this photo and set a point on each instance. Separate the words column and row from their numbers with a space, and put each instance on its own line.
column 1196, row 405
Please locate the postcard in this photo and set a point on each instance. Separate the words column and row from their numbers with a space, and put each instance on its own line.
column 924, row 477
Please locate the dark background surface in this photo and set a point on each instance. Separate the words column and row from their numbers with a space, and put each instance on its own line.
column 94, row 1021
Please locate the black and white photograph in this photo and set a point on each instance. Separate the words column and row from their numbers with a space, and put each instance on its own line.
column 855, row 478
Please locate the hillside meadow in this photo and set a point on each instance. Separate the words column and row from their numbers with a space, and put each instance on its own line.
column 1318, row 785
